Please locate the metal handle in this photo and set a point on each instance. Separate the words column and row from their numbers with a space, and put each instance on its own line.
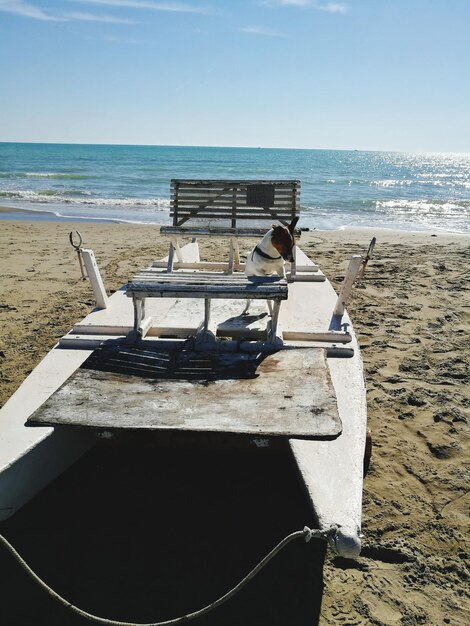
column 78, row 248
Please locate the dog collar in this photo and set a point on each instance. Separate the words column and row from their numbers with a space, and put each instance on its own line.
column 266, row 256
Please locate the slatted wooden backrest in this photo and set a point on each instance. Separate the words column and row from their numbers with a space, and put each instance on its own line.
column 232, row 201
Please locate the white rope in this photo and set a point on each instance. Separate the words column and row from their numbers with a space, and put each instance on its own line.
column 306, row 533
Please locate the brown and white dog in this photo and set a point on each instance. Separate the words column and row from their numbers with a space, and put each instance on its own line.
column 269, row 255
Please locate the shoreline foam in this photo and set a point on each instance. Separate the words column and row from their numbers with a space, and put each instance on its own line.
column 22, row 214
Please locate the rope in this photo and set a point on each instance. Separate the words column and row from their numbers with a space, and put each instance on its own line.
column 306, row 533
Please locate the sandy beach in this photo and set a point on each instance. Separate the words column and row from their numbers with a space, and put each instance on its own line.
column 412, row 316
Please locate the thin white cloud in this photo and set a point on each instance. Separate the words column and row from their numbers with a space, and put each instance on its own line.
column 119, row 40
column 260, row 30
column 175, row 7
column 329, row 7
column 25, row 9
column 90, row 17
column 298, row 3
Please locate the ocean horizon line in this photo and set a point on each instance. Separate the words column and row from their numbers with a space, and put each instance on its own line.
column 226, row 147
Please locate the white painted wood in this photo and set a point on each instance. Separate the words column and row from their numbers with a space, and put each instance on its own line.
column 333, row 470
column 31, row 458
column 306, row 278
column 218, row 266
column 100, row 329
column 236, row 253
column 293, row 265
column 179, row 254
column 351, row 274
column 211, row 231
column 331, row 336
column 201, row 265
column 273, row 334
column 305, row 268
column 179, row 334
column 99, row 291
column 85, row 342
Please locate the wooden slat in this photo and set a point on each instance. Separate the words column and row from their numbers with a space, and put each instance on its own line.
column 233, row 199
column 214, row 266
column 220, row 181
column 203, row 202
column 224, row 214
column 225, row 200
column 175, row 279
column 212, row 230
column 221, row 292
column 264, row 292
column 212, row 278
column 195, row 279
column 209, row 277
column 195, row 207
column 217, row 231
column 196, row 211
column 217, row 213
column 212, row 193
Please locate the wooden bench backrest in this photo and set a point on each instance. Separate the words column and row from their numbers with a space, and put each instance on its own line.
column 234, row 200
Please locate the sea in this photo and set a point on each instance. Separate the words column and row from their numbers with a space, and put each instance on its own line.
column 340, row 189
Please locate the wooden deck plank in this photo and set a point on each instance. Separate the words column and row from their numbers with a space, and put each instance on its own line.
column 211, row 291
column 206, row 285
column 199, row 278
column 234, row 393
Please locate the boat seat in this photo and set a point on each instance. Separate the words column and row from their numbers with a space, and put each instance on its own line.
column 208, row 285
column 221, row 208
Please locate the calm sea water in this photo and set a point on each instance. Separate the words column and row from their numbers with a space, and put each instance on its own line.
column 340, row 189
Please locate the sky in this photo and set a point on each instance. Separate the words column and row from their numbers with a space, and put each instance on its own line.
column 358, row 74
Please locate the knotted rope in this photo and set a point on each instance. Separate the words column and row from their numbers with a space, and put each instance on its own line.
column 306, row 533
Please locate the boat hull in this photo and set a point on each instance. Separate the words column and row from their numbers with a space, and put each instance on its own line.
column 331, row 470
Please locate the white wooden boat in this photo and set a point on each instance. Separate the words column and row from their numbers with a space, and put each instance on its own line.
column 305, row 383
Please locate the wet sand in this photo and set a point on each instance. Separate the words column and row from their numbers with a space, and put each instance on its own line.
column 412, row 316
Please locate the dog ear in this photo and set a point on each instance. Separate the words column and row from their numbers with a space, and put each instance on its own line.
column 293, row 224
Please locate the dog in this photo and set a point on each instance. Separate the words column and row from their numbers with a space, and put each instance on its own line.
column 269, row 255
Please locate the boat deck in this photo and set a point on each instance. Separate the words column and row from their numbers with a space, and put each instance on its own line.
column 181, row 389
column 235, row 384
column 331, row 467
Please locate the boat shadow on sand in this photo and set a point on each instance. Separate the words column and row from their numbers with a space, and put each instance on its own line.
column 139, row 532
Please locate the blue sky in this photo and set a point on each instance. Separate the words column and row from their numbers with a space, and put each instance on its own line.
column 358, row 74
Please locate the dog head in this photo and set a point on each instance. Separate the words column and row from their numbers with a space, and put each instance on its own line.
column 282, row 239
